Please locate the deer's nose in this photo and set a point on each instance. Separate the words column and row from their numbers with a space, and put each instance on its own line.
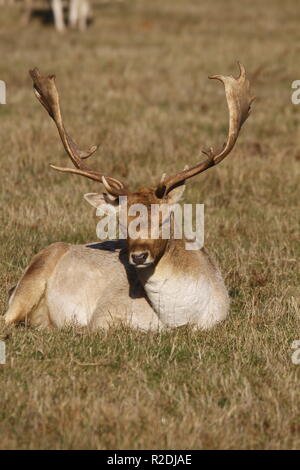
column 139, row 258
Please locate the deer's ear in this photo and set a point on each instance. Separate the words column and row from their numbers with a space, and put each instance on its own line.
column 100, row 201
column 176, row 194
column 96, row 200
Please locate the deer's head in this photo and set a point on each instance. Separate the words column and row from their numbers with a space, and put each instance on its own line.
column 145, row 249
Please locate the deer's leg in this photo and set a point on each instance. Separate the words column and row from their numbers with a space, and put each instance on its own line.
column 78, row 14
column 26, row 12
column 133, row 313
column 27, row 299
column 74, row 13
column 58, row 12
column 84, row 11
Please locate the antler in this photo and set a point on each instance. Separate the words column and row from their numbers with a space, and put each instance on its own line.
column 46, row 92
column 237, row 91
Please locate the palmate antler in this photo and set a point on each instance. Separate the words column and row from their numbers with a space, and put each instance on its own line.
column 237, row 91
column 46, row 92
column 239, row 101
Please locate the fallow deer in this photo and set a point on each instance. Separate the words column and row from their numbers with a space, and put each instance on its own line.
column 148, row 283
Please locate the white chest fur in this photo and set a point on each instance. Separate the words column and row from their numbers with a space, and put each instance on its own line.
column 178, row 298
column 180, row 301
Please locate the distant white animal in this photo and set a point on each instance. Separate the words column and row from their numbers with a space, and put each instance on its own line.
column 78, row 12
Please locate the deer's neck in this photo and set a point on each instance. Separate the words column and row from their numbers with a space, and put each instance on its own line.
column 178, row 287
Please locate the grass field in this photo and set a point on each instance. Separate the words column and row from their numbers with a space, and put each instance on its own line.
column 136, row 83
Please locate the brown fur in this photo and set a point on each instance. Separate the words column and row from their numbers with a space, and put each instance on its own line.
column 30, row 290
column 147, row 197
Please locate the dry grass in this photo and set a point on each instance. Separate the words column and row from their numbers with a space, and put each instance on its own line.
column 136, row 83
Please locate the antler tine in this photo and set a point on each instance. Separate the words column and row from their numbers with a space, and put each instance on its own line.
column 237, row 91
column 46, row 92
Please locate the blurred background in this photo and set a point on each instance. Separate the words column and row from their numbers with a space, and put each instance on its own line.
column 132, row 76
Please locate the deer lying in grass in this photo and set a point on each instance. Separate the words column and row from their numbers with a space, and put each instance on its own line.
column 103, row 283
